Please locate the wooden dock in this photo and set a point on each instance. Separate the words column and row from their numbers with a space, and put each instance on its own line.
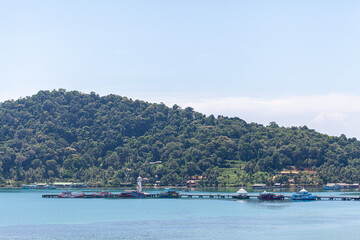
column 343, row 198
column 233, row 195
column 223, row 196
column 50, row 195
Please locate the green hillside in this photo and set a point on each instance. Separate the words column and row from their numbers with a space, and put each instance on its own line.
column 111, row 140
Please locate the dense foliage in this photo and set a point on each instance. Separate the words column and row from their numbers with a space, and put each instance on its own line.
column 111, row 140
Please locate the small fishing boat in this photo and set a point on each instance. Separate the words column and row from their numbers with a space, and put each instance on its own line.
column 270, row 196
column 136, row 194
column 169, row 194
column 101, row 194
column 241, row 194
column 127, row 194
column 69, row 194
column 303, row 195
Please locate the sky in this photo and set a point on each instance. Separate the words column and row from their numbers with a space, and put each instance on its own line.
column 292, row 62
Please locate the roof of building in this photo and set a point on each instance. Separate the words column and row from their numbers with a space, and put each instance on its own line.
column 289, row 172
column 342, row 184
column 62, row 183
column 242, row 191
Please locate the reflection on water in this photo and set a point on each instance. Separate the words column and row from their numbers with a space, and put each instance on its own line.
column 269, row 205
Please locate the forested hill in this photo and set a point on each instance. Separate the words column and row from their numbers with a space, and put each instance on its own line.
column 111, row 140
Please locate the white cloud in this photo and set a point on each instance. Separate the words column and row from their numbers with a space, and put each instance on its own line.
column 323, row 117
column 333, row 114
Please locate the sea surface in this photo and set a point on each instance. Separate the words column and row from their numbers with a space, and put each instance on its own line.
column 24, row 214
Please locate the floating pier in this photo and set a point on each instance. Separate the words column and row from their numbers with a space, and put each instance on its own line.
column 241, row 194
column 203, row 195
column 233, row 195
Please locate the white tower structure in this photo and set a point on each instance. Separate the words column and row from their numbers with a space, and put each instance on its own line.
column 139, row 184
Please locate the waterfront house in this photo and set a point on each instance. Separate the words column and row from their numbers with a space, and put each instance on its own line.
column 70, row 185
column 62, row 184
column 191, row 183
column 331, row 186
column 259, row 186
column 79, row 185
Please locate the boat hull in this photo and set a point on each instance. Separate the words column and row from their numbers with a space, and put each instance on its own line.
column 304, row 198
column 169, row 194
column 71, row 195
column 127, row 195
column 241, row 197
column 270, row 196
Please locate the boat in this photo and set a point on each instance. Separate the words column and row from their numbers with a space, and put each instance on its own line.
column 303, row 195
column 69, row 194
column 136, row 194
column 127, row 194
column 120, row 195
column 270, row 196
column 241, row 194
column 101, row 194
column 169, row 194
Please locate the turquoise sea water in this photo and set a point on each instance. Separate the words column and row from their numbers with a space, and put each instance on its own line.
column 24, row 214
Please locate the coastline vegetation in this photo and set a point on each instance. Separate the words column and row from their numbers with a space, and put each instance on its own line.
column 111, row 140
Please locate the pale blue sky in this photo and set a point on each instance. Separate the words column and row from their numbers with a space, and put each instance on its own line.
column 257, row 54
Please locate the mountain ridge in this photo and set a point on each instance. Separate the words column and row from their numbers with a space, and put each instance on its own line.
column 111, row 140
